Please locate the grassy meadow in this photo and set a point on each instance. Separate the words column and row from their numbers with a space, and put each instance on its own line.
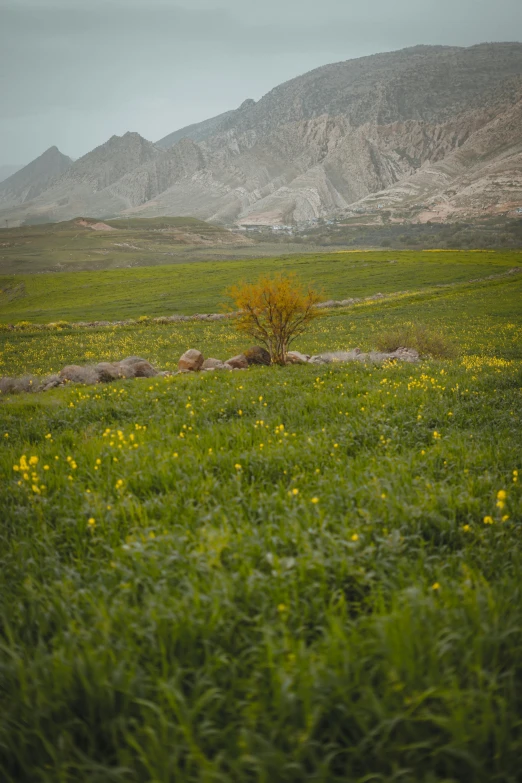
column 284, row 574
column 180, row 289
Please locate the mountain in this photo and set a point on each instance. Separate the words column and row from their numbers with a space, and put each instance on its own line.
column 421, row 127
column 8, row 169
column 85, row 185
column 204, row 130
column 32, row 180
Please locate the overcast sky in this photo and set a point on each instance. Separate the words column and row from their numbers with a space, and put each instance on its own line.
column 75, row 72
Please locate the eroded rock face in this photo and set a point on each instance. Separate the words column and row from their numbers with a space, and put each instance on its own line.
column 191, row 360
column 257, row 355
column 239, row 362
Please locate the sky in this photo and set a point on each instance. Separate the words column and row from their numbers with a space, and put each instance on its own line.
column 75, row 72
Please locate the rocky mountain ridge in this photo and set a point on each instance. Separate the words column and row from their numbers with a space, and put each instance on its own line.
column 29, row 182
column 411, row 131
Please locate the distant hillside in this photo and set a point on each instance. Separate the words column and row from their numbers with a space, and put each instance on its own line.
column 35, row 178
column 434, row 130
column 90, row 243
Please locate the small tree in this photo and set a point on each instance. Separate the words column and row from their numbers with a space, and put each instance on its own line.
column 274, row 311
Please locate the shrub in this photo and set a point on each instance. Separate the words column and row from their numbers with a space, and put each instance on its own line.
column 427, row 342
column 274, row 311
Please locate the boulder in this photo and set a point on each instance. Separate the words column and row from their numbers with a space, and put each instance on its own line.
column 407, row 354
column 257, row 355
column 191, row 360
column 294, row 357
column 212, row 364
column 108, row 371
column 144, row 370
column 130, row 360
column 336, row 356
column 239, row 362
column 51, row 382
column 76, row 374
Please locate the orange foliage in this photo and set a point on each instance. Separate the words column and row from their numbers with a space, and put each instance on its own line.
column 274, row 311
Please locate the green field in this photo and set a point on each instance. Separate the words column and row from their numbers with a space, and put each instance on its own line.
column 184, row 288
column 308, row 573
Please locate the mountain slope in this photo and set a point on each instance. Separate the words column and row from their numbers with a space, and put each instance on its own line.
column 8, row 170
column 316, row 144
column 32, row 180
column 203, row 130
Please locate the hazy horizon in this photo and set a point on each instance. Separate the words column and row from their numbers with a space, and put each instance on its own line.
column 74, row 77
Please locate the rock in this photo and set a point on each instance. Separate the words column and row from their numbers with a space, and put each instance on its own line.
column 130, row 360
column 257, row 355
column 51, row 382
column 212, row 364
column 239, row 362
column 76, row 374
column 144, row 370
column 294, row 357
column 336, row 356
column 108, row 371
column 407, row 354
column 328, row 303
column 191, row 360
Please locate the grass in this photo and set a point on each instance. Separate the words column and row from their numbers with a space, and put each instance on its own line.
column 135, row 242
column 164, row 290
column 429, row 343
column 302, row 573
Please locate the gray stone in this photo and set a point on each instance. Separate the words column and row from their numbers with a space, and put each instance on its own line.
column 76, row 374
column 144, row 370
column 108, row 371
column 211, row 364
column 336, row 356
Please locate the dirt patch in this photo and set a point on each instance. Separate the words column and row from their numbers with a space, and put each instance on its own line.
column 95, row 226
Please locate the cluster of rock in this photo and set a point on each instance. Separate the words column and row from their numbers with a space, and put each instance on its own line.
column 104, row 372
column 191, row 361
column 194, row 361
column 377, row 357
